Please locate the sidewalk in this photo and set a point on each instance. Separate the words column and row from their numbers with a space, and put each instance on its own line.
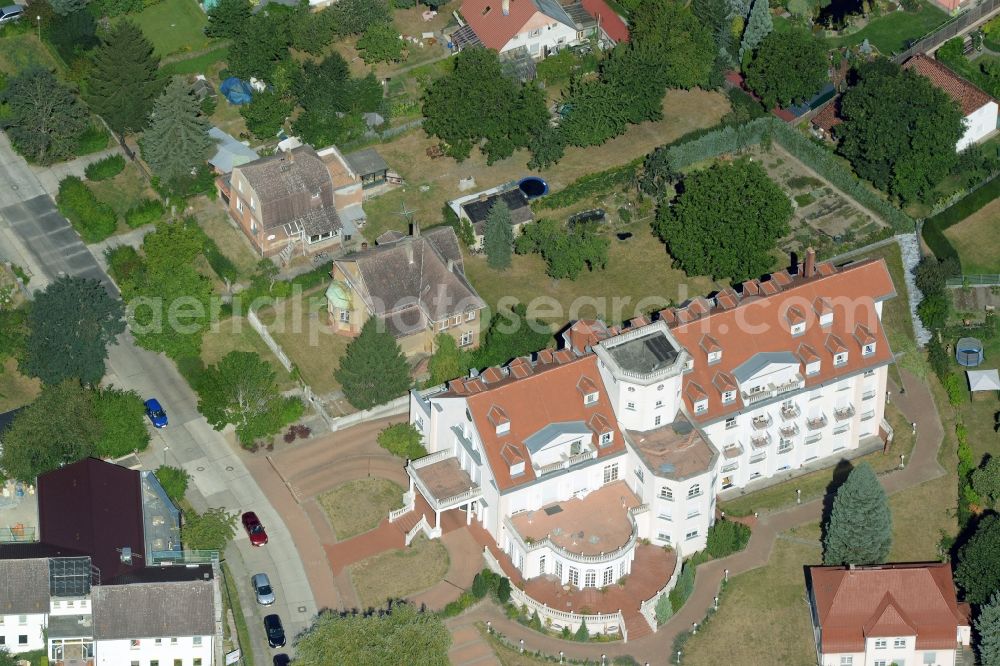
column 916, row 404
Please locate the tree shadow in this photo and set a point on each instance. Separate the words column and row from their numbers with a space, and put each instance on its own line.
column 841, row 471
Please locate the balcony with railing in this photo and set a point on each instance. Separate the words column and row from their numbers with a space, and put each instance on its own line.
column 734, row 450
column 789, row 430
column 762, row 422
column 761, row 440
column 773, row 390
column 843, row 413
column 785, row 445
column 442, row 481
column 816, row 422
column 868, row 395
column 566, row 460
column 789, row 412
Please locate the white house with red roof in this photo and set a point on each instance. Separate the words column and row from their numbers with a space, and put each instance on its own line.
column 569, row 458
column 978, row 107
column 540, row 26
column 887, row 614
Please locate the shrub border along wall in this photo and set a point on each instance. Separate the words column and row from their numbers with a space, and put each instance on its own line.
column 934, row 227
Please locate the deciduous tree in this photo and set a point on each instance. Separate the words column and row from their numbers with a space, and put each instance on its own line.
column 70, row 326
column 123, row 422
column 403, row 440
column 124, row 81
column 353, row 17
column 787, row 68
column 228, row 18
column 978, row 571
column 380, row 43
column 986, row 479
column 177, row 140
column 860, row 526
column 566, row 253
column 211, row 530
column 453, row 108
column 260, row 45
column 988, row 632
column 64, row 7
column 498, row 239
column 373, row 370
column 266, row 113
column 402, row 636
column 511, row 333
column 58, row 428
column 45, row 119
column 899, row 131
column 242, row 390
column 448, row 361
column 726, row 221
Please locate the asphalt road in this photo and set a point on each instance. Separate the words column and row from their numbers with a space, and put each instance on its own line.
column 35, row 235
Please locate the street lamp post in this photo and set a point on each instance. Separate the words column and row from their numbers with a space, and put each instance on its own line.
column 38, row 22
column 165, row 449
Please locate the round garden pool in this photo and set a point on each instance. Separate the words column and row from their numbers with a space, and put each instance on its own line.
column 533, row 187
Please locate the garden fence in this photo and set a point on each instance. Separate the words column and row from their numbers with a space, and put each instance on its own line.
column 949, row 30
column 975, row 280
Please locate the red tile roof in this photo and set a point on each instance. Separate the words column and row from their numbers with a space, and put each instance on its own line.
column 549, row 395
column 889, row 600
column 759, row 325
column 969, row 97
column 491, row 26
column 828, row 117
column 612, row 24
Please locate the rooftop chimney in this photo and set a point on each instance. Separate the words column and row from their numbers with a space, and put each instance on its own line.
column 505, row 6
column 810, row 267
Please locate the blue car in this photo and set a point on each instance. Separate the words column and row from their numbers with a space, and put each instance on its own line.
column 156, row 415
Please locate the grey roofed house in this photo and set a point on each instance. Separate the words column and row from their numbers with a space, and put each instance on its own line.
column 366, row 162
column 761, row 360
column 147, row 610
column 479, row 209
column 539, row 439
column 230, row 152
column 410, row 279
column 24, row 586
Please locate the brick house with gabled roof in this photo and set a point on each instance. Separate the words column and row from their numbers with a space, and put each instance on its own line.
column 885, row 614
column 415, row 285
column 978, row 107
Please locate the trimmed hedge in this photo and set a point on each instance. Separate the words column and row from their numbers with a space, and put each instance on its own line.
column 145, row 212
column 109, row 167
column 220, row 263
column 93, row 220
column 934, row 227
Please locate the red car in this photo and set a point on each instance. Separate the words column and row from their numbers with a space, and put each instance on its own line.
column 258, row 537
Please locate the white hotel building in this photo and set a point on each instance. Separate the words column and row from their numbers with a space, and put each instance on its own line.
column 570, row 458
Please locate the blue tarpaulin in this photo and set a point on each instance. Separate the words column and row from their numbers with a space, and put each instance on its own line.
column 236, row 91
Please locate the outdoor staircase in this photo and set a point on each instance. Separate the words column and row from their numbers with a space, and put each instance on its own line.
column 408, row 521
column 636, row 625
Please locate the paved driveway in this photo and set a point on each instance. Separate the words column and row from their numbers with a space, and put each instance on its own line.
column 33, row 234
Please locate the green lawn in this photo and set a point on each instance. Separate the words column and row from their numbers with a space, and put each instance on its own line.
column 16, row 390
column 893, row 32
column 196, row 65
column 124, row 190
column 235, row 334
column 174, row 26
column 972, row 239
column 360, row 505
column 18, row 52
column 396, row 574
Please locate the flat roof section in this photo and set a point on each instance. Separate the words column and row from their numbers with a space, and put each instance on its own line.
column 645, row 354
column 445, row 478
column 595, row 524
column 674, row 451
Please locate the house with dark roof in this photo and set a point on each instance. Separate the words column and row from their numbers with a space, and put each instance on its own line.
column 541, row 27
column 414, row 285
column 887, row 614
column 297, row 200
column 475, row 208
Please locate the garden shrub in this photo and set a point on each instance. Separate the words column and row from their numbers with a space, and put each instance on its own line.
column 93, row 140
column 174, row 481
column 726, row 537
column 125, row 265
column 664, row 609
column 145, row 212
column 953, row 387
column 93, row 220
column 109, row 167
column 503, row 590
column 219, row 262
column 591, row 185
column 402, row 440
column 684, row 586
column 582, row 634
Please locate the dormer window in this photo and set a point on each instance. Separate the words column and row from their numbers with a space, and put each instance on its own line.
column 499, row 419
column 728, row 397
column 714, row 357
column 689, row 364
column 712, row 348
column 865, row 339
column 798, row 329
column 796, row 319
column 824, row 310
column 590, row 398
column 589, row 389
column 813, row 368
column 701, row 406
column 840, row 359
column 868, row 350
column 606, row 438
column 514, row 460
column 503, row 428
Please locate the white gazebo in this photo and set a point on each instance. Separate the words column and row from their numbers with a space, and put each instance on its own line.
column 983, row 380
